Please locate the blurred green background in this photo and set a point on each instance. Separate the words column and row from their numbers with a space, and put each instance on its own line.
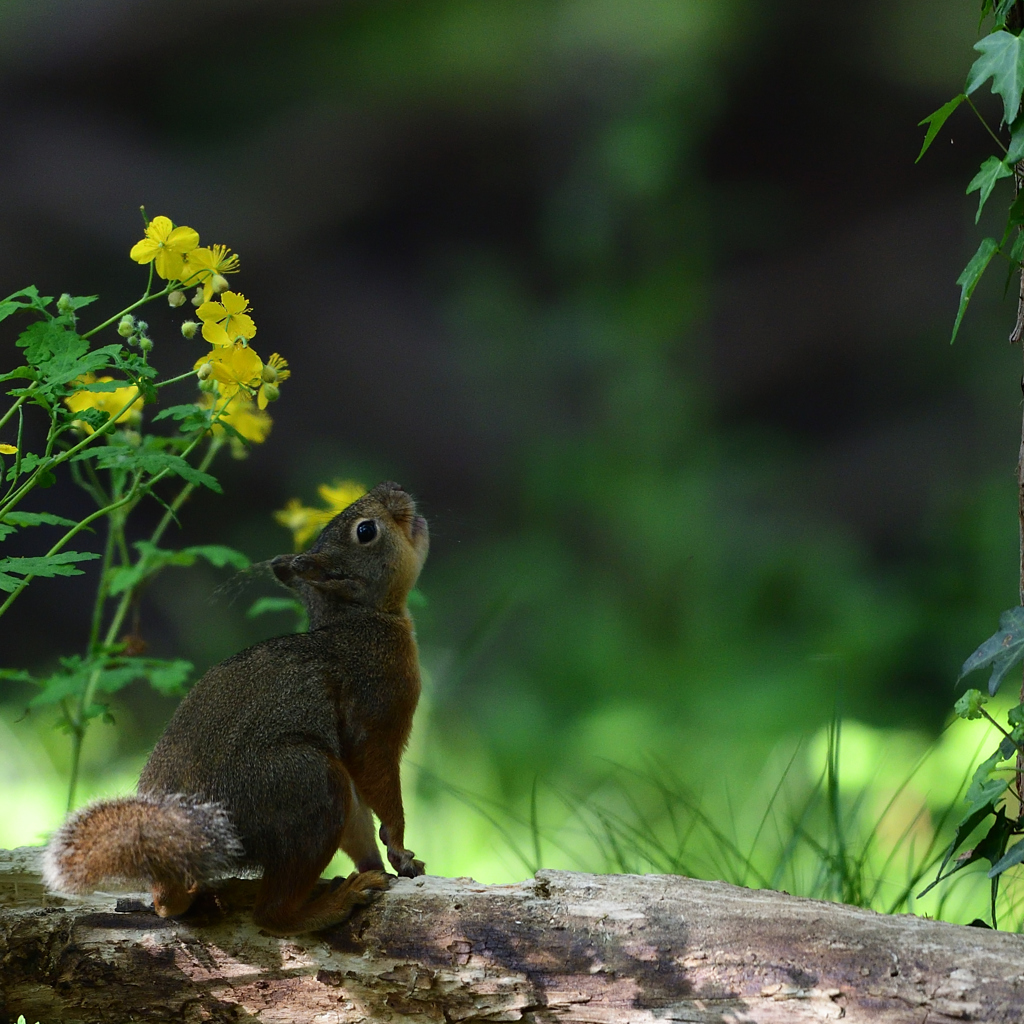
column 649, row 306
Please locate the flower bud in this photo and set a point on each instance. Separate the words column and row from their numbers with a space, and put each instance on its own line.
column 133, row 437
column 176, row 298
column 141, row 326
column 145, row 344
column 189, row 328
column 197, row 299
column 269, row 374
column 64, row 304
column 209, row 386
column 219, row 283
column 204, row 371
column 126, row 326
column 271, row 392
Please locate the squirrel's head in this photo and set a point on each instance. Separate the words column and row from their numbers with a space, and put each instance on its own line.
column 370, row 554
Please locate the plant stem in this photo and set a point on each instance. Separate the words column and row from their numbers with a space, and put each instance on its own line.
column 135, row 305
column 19, row 401
column 80, row 720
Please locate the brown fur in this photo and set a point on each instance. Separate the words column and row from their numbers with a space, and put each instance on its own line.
column 277, row 756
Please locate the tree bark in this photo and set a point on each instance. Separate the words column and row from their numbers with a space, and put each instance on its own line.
column 561, row 947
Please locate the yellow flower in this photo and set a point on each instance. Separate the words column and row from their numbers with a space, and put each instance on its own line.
column 240, row 413
column 341, row 494
column 110, row 402
column 166, row 245
column 8, row 449
column 202, row 266
column 275, row 370
column 227, row 321
column 233, row 368
column 304, row 522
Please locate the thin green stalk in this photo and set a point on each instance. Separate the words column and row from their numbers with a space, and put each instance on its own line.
column 80, row 720
column 19, row 401
column 57, row 460
column 135, row 305
column 999, row 141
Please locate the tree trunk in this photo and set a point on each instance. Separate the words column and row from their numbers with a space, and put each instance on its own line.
column 560, row 947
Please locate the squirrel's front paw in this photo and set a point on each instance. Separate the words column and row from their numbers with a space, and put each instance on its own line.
column 405, row 864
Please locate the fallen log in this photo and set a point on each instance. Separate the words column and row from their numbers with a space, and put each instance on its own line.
column 587, row 949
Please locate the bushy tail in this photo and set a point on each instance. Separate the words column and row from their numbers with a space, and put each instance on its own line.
column 142, row 840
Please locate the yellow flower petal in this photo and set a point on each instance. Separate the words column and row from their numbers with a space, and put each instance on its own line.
column 211, row 311
column 215, row 334
column 8, row 449
column 182, row 239
column 144, row 251
column 341, row 494
column 159, row 228
column 168, row 264
column 234, row 303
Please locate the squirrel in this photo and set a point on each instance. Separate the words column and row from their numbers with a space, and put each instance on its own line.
column 277, row 756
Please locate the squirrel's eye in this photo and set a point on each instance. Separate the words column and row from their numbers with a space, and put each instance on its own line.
column 366, row 531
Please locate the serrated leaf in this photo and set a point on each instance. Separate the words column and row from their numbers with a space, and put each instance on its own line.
column 1002, row 60
column 971, row 275
column 147, row 460
column 152, row 559
column 936, row 120
column 13, row 302
column 970, row 704
column 1001, row 651
column 992, row 170
column 62, row 564
column 78, row 301
column 111, row 674
column 37, row 519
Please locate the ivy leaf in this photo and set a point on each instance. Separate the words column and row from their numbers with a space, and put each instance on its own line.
column 1002, row 60
column 967, row 825
column 62, row 564
column 985, row 180
column 970, row 277
column 970, row 704
column 1001, row 12
column 936, row 120
column 1002, row 650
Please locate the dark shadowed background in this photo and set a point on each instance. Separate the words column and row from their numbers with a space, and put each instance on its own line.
column 648, row 305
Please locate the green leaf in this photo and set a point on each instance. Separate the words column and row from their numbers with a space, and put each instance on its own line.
column 266, row 605
column 111, row 673
column 14, row 520
column 62, row 564
column 1002, row 60
column 78, row 301
column 970, row 704
column 1012, row 856
column 1001, row 11
column 984, row 791
column 13, row 301
column 152, row 559
column 967, row 825
column 985, row 180
column 1002, row 650
column 937, row 120
column 970, row 277
column 147, row 459
column 47, row 338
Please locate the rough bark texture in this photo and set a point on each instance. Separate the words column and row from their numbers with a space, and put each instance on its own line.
column 561, row 947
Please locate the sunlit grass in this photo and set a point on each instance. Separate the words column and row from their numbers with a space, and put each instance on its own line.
column 853, row 813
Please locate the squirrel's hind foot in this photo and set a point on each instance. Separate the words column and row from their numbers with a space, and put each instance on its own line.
column 327, row 909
